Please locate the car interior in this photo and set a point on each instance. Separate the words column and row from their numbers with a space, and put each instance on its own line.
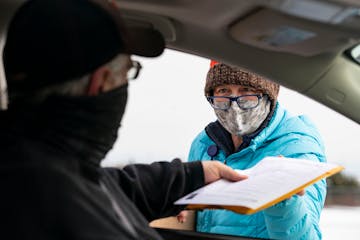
column 308, row 43
column 309, row 46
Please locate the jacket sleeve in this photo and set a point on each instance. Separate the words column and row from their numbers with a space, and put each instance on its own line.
column 297, row 217
column 154, row 188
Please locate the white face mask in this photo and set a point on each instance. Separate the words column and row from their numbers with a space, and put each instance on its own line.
column 242, row 122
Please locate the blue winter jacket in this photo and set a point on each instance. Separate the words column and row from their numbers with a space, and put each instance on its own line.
column 294, row 218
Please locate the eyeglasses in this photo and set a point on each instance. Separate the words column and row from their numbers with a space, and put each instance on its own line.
column 244, row 101
column 134, row 70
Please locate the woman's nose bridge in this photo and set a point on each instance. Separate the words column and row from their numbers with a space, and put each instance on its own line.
column 236, row 91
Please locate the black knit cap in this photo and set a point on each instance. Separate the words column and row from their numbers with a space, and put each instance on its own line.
column 52, row 41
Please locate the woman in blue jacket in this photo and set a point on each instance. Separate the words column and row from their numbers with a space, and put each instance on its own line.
column 250, row 126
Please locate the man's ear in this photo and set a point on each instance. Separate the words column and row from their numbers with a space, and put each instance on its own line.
column 98, row 80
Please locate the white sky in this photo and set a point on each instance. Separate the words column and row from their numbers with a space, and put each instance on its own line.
column 167, row 109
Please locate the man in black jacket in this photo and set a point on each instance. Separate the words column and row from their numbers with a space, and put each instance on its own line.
column 66, row 63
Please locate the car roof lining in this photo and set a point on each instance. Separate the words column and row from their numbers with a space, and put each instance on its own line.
column 308, row 74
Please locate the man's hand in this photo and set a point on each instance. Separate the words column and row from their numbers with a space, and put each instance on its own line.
column 214, row 170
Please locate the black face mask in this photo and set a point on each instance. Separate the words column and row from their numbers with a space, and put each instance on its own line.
column 86, row 125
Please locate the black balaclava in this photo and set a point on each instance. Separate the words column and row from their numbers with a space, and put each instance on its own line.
column 86, row 126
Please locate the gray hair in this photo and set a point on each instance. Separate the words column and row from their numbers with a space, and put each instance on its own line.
column 119, row 65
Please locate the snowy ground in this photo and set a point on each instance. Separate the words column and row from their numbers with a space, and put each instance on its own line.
column 340, row 223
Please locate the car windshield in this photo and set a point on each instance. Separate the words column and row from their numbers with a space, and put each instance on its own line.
column 167, row 105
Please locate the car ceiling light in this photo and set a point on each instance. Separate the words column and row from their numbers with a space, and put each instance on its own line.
column 319, row 11
column 355, row 53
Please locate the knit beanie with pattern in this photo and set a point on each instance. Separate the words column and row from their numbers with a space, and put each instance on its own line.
column 220, row 74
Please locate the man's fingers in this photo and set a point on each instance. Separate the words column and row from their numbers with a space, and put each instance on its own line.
column 214, row 170
column 231, row 175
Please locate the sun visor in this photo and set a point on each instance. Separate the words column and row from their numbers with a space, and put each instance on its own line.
column 144, row 41
column 273, row 30
column 8, row 8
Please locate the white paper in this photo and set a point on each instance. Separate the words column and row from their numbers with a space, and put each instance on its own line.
column 270, row 179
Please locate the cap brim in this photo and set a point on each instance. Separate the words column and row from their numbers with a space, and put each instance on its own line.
column 139, row 40
column 146, row 42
